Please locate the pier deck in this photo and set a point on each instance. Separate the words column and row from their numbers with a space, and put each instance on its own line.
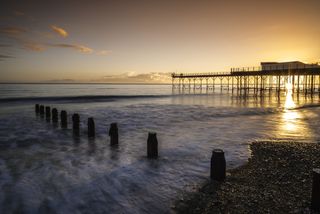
column 304, row 77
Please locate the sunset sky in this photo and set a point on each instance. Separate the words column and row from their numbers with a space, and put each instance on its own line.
column 144, row 41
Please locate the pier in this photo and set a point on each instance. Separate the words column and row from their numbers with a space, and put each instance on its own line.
column 270, row 76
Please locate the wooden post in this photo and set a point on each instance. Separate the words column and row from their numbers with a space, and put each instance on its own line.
column 42, row 110
column 91, row 128
column 54, row 115
column 315, row 197
column 152, row 145
column 218, row 165
column 64, row 120
column 48, row 113
column 76, row 124
column 113, row 133
column 37, row 108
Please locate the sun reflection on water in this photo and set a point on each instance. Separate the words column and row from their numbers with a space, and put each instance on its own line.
column 291, row 118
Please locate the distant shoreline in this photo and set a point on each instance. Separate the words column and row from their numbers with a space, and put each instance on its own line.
column 78, row 83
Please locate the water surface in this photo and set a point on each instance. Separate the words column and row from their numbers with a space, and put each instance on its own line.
column 44, row 169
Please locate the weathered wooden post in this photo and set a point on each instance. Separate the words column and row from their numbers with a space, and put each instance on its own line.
column 218, row 165
column 76, row 124
column 64, row 119
column 152, row 145
column 37, row 108
column 48, row 113
column 54, row 115
column 315, row 198
column 42, row 110
column 91, row 128
column 113, row 133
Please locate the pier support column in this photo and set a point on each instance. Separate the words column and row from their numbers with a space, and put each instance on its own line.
column 218, row 165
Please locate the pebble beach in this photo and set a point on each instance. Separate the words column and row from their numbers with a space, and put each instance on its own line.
column 276, row 179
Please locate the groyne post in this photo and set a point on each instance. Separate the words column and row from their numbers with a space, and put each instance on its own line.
column 48, row 113
column 64, row 119
column 218, row 165
column 54, row 115
column 152, row 145
column 91, row 127
column 315, row 197
column 76, row 124
column 37, row 108
column 113, row 133
column 41, row 110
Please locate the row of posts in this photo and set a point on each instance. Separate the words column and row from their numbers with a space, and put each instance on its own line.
column 152, row 142
column 218, row 161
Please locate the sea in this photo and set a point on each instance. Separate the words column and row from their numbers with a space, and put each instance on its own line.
column 45, row 169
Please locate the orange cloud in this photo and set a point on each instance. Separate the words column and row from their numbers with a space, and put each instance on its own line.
column 13, row 30
column 79, row 48
column 60, row 31
column 34, row 47
column 103, row 52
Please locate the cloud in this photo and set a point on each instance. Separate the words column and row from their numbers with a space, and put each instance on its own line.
column 3, row 57
column 134, row 77
column 60, row 31
column 18, row 13
column 103, row 52
column 79, row 48
column 13, row 30
column 34, row 47
column 5, row 46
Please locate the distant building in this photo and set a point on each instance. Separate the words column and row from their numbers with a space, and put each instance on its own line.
column 285, row 65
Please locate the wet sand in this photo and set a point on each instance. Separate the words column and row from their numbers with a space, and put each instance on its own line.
column 276, row 179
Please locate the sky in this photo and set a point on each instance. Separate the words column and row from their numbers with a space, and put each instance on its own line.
column 140, row 41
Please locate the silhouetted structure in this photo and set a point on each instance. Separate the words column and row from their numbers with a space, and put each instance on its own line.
column 269, row 76
column 64, row 119
column 48, row 113
column 37, row 108
column 152, row 145
column 41, row 110
column 218, row 165
column 54, row 115
column 113, row 133
column 76, row 124
column 91, row 128
column 315, row 198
